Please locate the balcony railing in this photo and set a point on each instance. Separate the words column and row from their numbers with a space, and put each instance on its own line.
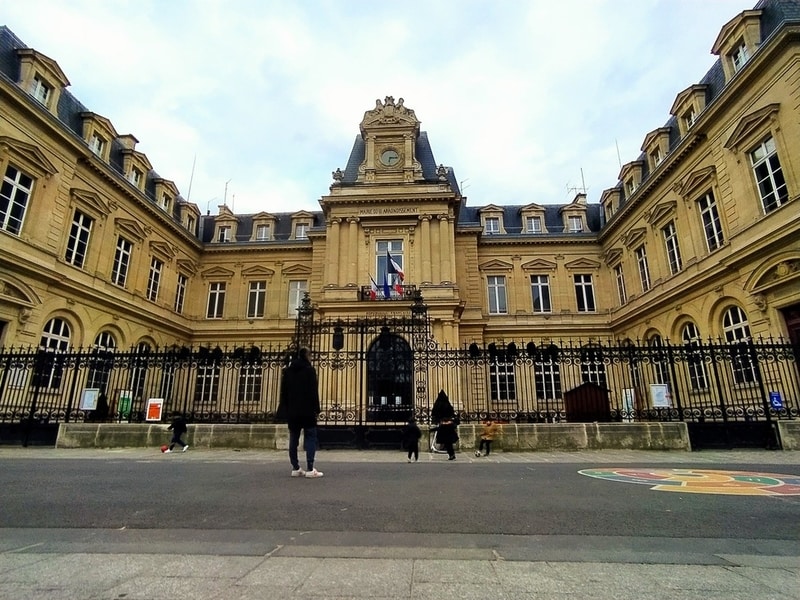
column 406, row 292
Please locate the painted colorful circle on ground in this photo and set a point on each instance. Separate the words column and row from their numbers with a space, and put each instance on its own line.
column 703, row 481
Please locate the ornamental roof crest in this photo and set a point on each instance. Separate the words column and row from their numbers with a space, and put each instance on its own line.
column 389, row 113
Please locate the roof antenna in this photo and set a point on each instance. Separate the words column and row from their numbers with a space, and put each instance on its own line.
column 225, row 196
column 191, row 178
column 619, row 160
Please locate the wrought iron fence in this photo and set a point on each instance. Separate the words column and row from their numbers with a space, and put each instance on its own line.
column 377, row 372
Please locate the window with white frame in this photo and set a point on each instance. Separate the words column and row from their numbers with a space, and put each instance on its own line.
column 206, row 387
column 712, row 227
column 14, row 196
column 224, row 234
column 262, row 232
column 165, row 202
column 140, row 367
column 40, row 89
column 97, row 144
column 630, row 188
column 250, row 384
column 122, row 261
column 622, row 293
column 180, row 292
column 698, row 376
column 167, row 379
column 655, row 157
column 491, row 225
column 769, row 175
column 502, row 380
column 736, row 329
column 135, row 176
column 540, row 293
column 55, row 340
column 190, row 223
column 593, row 369
column 256, row 299
column 533, row 224
column 644, row 269
column 547, row 375
column 575, row 224
column 497, row 294
column 154, row 279
column 78, row 241
column 740, row 56
column 383, row 250
column 102, row 361
column 689, row 117
column 297, row 288
column 301, row 231
column 584, row 293
column 216, row 300
column 658, row 359
column 670, row 234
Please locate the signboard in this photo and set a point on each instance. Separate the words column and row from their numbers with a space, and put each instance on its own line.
column 775, row 400
column 660, row 396
column 154, row 408
column 89, row 399
column 124, row 404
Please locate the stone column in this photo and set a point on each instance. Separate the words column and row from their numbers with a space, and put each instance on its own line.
column 332, row 246
column 436, row 253
column 352, row 269
column 425, row 248
column 446, row 247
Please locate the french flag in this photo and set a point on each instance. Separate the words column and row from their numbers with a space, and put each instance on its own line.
column 373, row 291
column 387, row 291
column 393, row 267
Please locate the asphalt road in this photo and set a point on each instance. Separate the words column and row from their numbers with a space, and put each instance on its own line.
column 429, row 497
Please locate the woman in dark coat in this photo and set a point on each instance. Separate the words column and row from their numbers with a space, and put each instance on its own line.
column 444, row 415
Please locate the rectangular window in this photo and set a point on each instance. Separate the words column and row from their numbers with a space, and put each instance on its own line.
column 384, row 249
column 262, row 232
column 644, row 269
column 296, row 291
column 497, row 294
column 250, row 383
column 769, row 175
column 630, row 187
column 673, row 249
column 689, row 117
column 224, row 234
column 256, row 299
column 190, row 224
column 180, row 292
column 534, row 224
column 655, row 157
column 575, row 224
column 40, row 90
column 14, row 196
column 97, row 144
column 135, row 177
column 491, row 225
column 78, row 239
column 165, row 202
column 122, row 260
column 502, row 381
column 540, row 293
column 216, row 300
column 584, row 293
column 622, row 293
column 740, row 56
column 301, row 231
column 548, row 380
column 154, row 279
column 206, row 388
column 711, row 223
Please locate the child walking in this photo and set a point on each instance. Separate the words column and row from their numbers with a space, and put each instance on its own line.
column 488, row 434
column 178, row 428
column 411, row 435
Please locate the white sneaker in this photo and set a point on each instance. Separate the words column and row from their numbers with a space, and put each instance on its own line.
column 167, row 450
column 185, row 448
column 298, row 473
column 314, row 473
column 409, row 460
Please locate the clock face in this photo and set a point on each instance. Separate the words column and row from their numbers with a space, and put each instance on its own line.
column 390, row 157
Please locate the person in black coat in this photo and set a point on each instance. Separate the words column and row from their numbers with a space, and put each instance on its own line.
column 444, row 415
column 411, row 434
column 299, row 407
column 178, row 428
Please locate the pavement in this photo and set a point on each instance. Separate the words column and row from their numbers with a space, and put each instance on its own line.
column 95, row 564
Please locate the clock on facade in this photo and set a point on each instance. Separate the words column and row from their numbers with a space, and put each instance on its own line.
column 390, row 157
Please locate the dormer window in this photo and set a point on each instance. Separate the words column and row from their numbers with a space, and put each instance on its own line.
column 41, row 90
column 630, row 188
column 262, row 233
column 533, row 224
column 740, row 56
column 655, row 157
column 491, row 225
column 97, row 145
column 135, row 177
column 301, row 231
column 575, row 224
column 224, row 234
column 689, row 117
column 190, row 223
column 165, row 201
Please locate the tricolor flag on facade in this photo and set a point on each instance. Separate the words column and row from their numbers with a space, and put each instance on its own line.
column 387, row 291
column 373, row 291
column 393, row 267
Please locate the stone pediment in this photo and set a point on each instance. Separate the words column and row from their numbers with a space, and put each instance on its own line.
column 44, row 61
column 297, row 269
column 389, row 113
column 582, row 263
column 490, row 208
column 18, row 293
column 264, row 216
column 101, row 121
column 495, row 265
column 613, row 256
column 302, row 214
column 90, row 200
column 258, row 271
column 539, row 264
column 634, row 236
column 131, row 229
column 162, row 249
column 31, row 153
column 692, row 183
column 533, row 207
column 217, row 273
column 187, row 266
column 661, row 212
column 751, row 123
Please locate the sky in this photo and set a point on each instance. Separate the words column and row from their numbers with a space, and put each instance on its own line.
column 253, row 103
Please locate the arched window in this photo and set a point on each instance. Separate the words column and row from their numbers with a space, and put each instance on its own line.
column 104, row 345
column 55, row 340
column 698, row 375
column 658, row 359
column 139, row 371
column 736, row 328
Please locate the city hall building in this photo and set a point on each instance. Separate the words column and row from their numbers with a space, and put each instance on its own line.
column 112, row 283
